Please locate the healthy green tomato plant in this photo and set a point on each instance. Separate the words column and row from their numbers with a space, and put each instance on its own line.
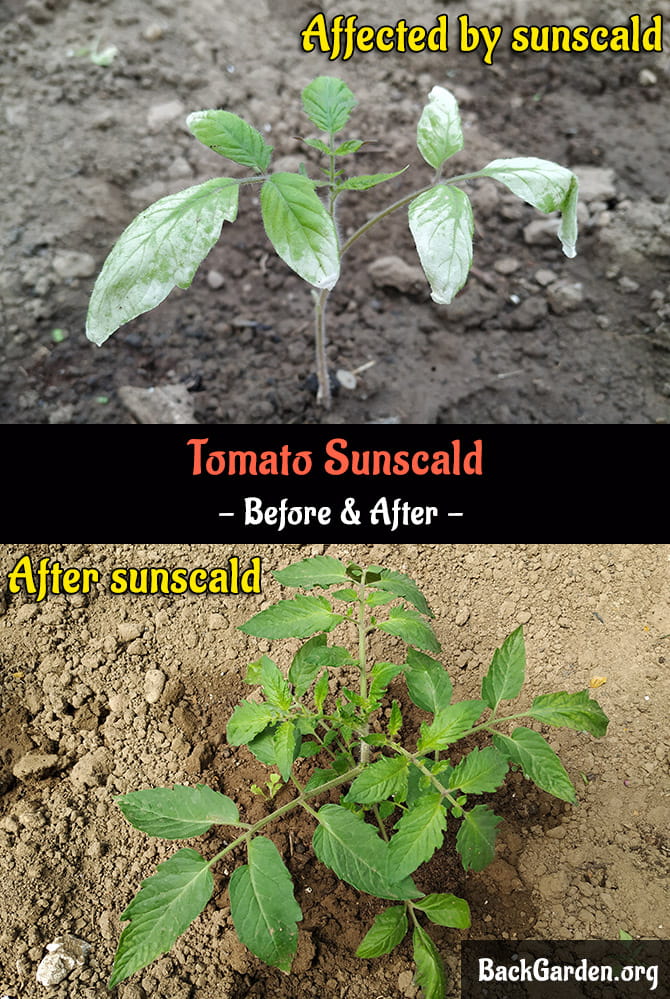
column 395, row 800
column 163, row 247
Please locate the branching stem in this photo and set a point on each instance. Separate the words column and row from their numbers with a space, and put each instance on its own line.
column 284, row 809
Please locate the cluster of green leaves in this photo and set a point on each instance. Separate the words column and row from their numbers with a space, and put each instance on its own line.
column 395, row 802
column 163, row 247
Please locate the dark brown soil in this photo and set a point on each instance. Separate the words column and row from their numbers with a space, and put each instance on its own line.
column 73, row 687
column 85, row 148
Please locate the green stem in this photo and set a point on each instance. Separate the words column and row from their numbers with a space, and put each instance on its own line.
column 487, row 725
column 338, row 741
column 362, row 657
column 382, row 215
column 415, row 759
column 412, row 913
column 382, row 828
column 401, row 204
column 288, row 807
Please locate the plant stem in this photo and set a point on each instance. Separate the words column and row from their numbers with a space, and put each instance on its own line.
column 288, row 807
column 362, row 656
column 382, row 827
column 410, row 909
column 382, row 215
column 323, row 395
column 415, row 759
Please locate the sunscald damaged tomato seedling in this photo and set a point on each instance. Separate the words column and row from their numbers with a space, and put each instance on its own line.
column 163, row 247
column 380, row 806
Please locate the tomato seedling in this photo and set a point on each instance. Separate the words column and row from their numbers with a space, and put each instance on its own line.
column 163, row 247
column 393, row 800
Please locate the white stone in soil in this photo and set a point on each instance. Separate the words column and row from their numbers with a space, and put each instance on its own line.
column 66, row 953
column 154, row 681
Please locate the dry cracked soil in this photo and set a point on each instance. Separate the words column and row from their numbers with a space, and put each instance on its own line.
column 103, row 694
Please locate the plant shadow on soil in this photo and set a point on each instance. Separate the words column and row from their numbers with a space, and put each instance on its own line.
column 533, row 338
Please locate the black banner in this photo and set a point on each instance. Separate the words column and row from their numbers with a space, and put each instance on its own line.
column 332, row 484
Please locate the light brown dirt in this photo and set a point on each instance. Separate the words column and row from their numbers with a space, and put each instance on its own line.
column 72, row 689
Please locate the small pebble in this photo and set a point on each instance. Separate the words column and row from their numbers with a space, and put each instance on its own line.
column 215, row 280
column 154, row 681
column 153, row 32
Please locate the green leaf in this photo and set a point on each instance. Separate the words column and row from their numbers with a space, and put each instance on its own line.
column 161, row 248
column 428, row 682
column 505, row 677
column 300, row 229
column 386, row 808
column 319, row 145
column 387, row 931
column 430, row 975
column 263, row 907
column 538, row 761
column 419, row 833
column 476, row 837
column 402, row 586
column 328, row 103
column 348, row 595
column 178, row 813
column 348, row 147
column 320, row 570
column 442, row 226
column 230, row 136
column 311, row 658
column 295, row 618
column 166, row 904
column 449, row 725
column 544, row 185
column 394, row 723
column 375, row 739
column 286, row 746
column 275, row 686
column 263, row 746
column 352, row 849
column 481, row 771
column 380, row 780
column 409, row 626
column 321, row 691
column 319, row 777
column 247, row 721
column 363, row 182
column 578, row 711
column 446, row 910
column 378, row 599
column 303, row 670
column 439, row 134
column 381, row 675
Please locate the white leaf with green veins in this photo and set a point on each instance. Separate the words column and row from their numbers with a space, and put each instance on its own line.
column 544, row 185
column 300, row 229
column 442, row 225
column 439, row 134
column 161, row 249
